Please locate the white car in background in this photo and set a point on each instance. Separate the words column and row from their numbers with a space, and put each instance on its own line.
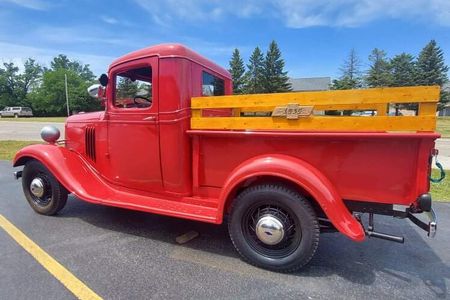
column 16, row 112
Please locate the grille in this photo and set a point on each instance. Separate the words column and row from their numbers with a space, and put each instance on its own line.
column 89, row 141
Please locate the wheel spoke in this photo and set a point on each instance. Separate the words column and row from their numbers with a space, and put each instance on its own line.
column 288, row 243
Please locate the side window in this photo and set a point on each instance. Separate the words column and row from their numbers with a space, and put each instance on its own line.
column 212, row 85
column 134, row 88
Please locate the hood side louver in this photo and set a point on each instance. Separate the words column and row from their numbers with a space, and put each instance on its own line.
column 89, row 140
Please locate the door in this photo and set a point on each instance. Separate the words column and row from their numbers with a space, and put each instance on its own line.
column 8, row 112
column 133, row 130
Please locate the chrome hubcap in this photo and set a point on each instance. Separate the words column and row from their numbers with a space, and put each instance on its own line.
column 37, row 187
column 269, row 230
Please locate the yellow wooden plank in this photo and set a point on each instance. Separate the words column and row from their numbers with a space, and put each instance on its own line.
column 382, row 109
column 196, row 113
column 427, row 109
column 372, row 106
column 363, row 96
column 236, row 112
column 324, row 123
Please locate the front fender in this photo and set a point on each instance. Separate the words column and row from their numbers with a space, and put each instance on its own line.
column 304, row 175
column 70, row 170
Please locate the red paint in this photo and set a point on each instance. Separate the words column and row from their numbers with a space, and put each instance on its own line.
column 148, row 158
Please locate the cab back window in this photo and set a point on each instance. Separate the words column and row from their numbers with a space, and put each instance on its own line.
column 212, row 85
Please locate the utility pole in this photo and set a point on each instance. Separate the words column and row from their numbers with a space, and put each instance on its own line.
column 67, row 95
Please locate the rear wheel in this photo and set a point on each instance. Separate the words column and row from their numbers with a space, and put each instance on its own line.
column 43, row 191
column 273, row 227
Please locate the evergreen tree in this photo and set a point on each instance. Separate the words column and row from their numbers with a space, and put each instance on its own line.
column 432, row 70
column 350, row 73
column 403, row 70
column 237, row 70
column 379, row 74
column 255, row 74
column 275, row 78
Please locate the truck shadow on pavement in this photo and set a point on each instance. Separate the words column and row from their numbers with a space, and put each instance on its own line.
column 398, row 266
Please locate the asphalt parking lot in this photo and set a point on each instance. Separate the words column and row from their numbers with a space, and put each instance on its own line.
column 123, row 254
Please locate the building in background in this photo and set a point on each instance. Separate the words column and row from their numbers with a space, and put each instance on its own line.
column 310, row 84
column 446, row 110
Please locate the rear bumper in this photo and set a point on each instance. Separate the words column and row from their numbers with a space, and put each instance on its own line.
column 430, row 226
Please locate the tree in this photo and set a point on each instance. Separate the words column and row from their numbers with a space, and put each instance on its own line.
column 255, row 74
column 237, row 70
column 14, row 87
column 29, row 80
column 350, row 73
column 48, row 99
column 275, row 78
column 379, row 74
column 62, row 62
column 9, row 84
column 403, row 70
column 126, row 88
column 432, row 70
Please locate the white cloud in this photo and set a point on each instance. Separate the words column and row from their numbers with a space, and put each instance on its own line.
column 74, row 35
column 352, row 13
column 30, row 4
column 109, row 20
column 300, row 13
column 19, row 53
column 170, row 11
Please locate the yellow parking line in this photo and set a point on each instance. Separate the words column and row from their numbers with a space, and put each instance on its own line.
column 73, row 284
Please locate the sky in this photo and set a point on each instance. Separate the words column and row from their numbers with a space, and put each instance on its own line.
column 314, row 36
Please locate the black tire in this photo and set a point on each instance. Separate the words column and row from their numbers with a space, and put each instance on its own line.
column 300, row 240
column 54, row 197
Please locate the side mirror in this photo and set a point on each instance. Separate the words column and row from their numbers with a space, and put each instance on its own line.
column 103, row 80
column 94, row 90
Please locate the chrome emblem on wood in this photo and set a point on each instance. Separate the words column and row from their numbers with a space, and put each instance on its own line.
column 292, row 111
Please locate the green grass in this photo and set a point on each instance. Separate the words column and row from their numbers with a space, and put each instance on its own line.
column 9, row 148
column 441, row 191
column 36, row 119
column 443, row 126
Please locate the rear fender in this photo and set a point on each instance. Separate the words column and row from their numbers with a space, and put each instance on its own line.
column 305, row 176
column 68, row 168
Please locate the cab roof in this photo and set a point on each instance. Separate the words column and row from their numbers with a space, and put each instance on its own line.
column 171, row 50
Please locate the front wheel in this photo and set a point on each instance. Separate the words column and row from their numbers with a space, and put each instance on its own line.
column 273, row 227
column 43, row 191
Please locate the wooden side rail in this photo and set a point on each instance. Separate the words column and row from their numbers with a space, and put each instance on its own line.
column 298, row 111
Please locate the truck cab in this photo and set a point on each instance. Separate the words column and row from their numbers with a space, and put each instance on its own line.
column 140, row 140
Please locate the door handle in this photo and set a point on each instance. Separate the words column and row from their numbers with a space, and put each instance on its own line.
column 151, row 118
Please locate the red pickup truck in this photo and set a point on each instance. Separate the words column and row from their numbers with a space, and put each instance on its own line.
column 172, row 140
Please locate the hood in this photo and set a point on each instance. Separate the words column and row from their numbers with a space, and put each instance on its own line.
column 83, row 117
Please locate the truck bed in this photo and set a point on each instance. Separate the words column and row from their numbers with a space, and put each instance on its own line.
column 375, row 167
column 380, row 158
